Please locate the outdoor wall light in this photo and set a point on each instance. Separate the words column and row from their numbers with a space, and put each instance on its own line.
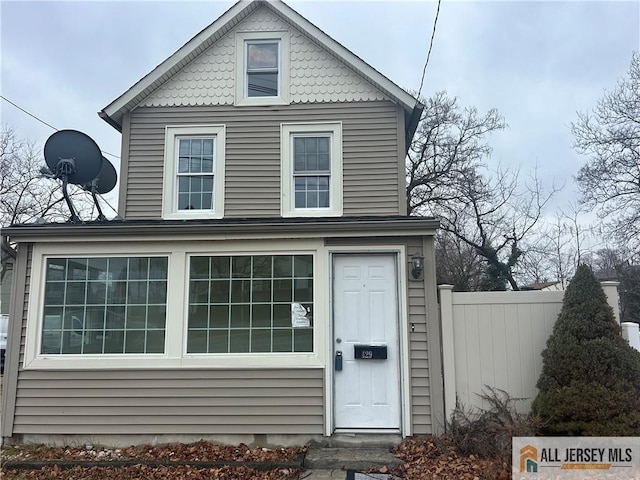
column 417, row 266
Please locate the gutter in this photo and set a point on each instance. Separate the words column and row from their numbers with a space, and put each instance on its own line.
column 103, row 115
column 254, row 228
column 412, row 124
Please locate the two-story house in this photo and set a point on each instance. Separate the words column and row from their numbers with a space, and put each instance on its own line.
column 265, row 280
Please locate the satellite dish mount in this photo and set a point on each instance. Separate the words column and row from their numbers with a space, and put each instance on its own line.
column 73, row 157
column 103, row 183
column 64, row 169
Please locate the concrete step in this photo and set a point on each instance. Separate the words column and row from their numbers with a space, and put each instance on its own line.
column 353, row 458
column 323, row 475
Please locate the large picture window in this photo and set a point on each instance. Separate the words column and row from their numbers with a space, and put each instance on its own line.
column 175, row 304
column 250, row 304
column 104, row 305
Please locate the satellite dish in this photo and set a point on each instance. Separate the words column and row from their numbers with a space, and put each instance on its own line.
column 73, row 155
column 103, row 183
column 107, row 178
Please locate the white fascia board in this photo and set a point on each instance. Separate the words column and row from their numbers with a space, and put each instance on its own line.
column 113, row 109
column 407, row 100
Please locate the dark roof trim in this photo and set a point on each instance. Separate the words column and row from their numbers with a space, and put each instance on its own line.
column 268, row 227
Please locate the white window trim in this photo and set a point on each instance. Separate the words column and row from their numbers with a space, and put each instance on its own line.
column 170, row 177
column 175, row 355
column 287, row 203
column 241, row 98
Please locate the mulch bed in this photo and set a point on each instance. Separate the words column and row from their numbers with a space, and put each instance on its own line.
column 144, row 472
column 195, row 461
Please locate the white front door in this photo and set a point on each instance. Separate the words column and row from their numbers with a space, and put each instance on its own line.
column 365, row 313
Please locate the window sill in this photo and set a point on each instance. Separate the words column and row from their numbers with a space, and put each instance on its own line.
column 192, row 215
column 161, row 362
column 311, row 212
column 261, row 101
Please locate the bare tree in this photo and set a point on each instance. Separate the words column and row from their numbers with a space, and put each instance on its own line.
column 457, row 263
column 492, row 213
column 495, row 214
column 610, row 136
column 449, row 144
column 555, row 249
column 24, row 195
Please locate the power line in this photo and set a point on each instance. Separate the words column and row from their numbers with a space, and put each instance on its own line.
column 433, row 34
column 30, row 114
column 42, row 121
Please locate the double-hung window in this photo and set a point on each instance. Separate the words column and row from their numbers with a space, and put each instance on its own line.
column 262, row 68
column 262, row 65
column 194, row 172
column 311, row 170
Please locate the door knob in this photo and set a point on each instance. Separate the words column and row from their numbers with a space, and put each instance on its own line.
column 338, row 361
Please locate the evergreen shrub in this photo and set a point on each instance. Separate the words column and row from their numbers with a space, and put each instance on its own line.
column 590, row 379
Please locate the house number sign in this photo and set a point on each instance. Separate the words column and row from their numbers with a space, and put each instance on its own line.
column 370, row 352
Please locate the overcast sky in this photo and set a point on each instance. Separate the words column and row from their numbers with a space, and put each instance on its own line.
column 537, row 62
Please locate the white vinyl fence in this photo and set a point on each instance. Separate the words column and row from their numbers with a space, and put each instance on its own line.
column 496, row 338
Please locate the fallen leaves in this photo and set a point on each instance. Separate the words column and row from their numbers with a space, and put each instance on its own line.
column 142, row 472
column 194, row 452
column 427, row 458
column 197, row 453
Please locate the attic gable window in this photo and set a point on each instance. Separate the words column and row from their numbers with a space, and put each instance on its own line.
column 194, row 172
column 262, row 68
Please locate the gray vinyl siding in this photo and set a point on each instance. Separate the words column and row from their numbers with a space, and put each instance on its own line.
column 16, row 334
column 5, row 289
column 25, row 303
column 170, row 402
column 434, row 335
column 421, row 418
column 182, row 401
column 206, row 401
column 371, row 180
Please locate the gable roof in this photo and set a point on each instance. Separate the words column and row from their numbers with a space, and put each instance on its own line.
column 114, row 112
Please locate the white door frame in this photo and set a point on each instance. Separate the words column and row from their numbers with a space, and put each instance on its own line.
column 399, row 252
